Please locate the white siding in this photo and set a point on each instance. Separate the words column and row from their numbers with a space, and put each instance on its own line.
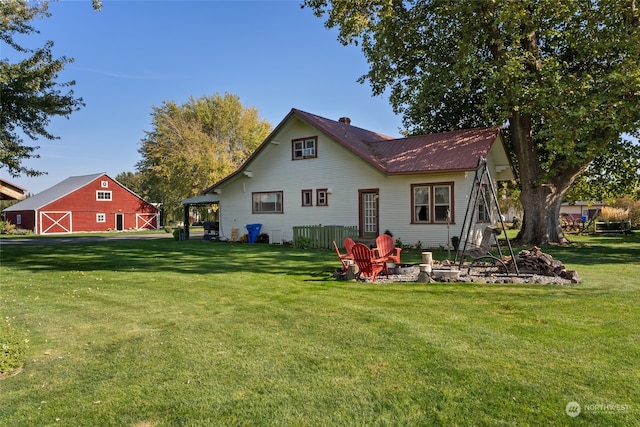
column 344, row 174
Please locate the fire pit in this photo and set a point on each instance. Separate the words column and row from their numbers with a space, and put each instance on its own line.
column 449, row 273
column 403, row 269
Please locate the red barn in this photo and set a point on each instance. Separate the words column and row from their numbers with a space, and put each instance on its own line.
column 84, row 203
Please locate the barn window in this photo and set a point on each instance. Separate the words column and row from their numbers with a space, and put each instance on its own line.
column 104, row 184
column 103, row 195
column 101, row 217
column 18, row 219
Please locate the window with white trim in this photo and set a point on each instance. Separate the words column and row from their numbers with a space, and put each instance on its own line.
column 321, row 197
column 304, row 148
column 267, row 202
column 100, row 217
column 442, row 203
column 431, row 203
column 103, row 195
column 18, row 219
column 104, row 184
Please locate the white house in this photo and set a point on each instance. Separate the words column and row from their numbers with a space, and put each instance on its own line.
column 311, row 170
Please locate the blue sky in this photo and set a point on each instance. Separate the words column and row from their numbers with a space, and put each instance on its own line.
column 134, row 55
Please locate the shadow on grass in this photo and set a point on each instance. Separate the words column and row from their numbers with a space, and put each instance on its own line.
column 593, row 250
column 166, row 255
column 598, row 254
column 205, row 257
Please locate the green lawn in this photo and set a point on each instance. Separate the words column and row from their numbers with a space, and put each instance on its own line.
column 167, row 333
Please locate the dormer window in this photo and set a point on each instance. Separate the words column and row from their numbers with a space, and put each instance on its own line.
column 304, row 148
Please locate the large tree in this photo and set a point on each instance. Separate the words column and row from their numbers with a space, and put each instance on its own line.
column 29, row 93
column 196, row 144
column 563, row 75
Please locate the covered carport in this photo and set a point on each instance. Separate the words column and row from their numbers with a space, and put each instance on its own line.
column 201, row 200
column 11, row 191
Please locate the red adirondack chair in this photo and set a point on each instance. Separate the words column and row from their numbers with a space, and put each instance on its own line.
column 368, row 265
column 385, row 249
column 348, row 244
column 344, row 258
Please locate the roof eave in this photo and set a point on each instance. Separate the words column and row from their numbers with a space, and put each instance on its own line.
column 432, row 171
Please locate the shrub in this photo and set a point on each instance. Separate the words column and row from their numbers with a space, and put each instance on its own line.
column 516, row 223
column 7, row 228
column 14, row 349
column 455, row 242
column 608, row 213
column 262, row 238
column 632, row 206
column 176, row 233
column 303, row 242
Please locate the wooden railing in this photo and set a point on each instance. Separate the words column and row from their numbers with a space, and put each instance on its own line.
column 322, row 236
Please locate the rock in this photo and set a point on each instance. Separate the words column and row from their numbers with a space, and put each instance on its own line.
column 571, row 275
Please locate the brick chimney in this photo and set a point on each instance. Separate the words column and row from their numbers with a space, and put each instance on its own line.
column 345, row 120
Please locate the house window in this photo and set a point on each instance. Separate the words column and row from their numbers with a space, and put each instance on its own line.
column 483, row 209
column 421, row 205
column 101, row 217
column 431, row 203
column 104, row 184
column 304, row 148
column 321, row 197
column 307, row 197
column 103, row 195
column 483, row 212
column 267, row 202
column 18, row 219
column 442, row 203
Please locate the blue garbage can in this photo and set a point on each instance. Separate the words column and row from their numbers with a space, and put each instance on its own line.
column 254, row 232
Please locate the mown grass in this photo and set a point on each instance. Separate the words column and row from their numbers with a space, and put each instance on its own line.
column 166, row 333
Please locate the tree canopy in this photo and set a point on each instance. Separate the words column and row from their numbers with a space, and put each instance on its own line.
column 563, row 76
column 610, row 177
column 197, row 143
column 29, row 93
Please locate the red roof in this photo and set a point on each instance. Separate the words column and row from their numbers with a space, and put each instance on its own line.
column 451, row 151
column 441, row 152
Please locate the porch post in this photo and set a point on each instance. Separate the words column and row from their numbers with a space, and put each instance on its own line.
column 186, row 221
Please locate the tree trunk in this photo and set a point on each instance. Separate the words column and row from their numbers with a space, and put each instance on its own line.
column 541, row 222
column 540, row 199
